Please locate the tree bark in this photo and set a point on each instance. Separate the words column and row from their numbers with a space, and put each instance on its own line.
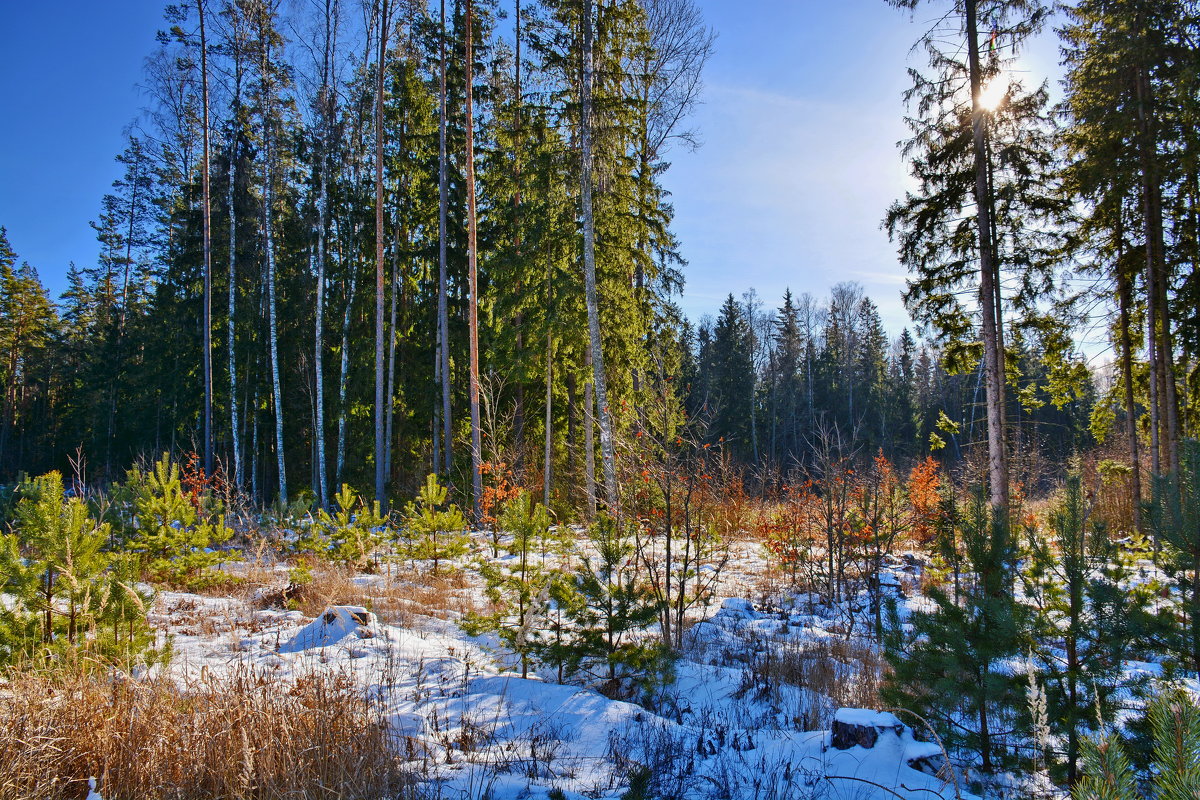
column 443, row 199
column 607, row 449
column 230, row 327
column 990, row 311
column 473, row 283
column 589, row 447
column 269, row 247
column 1125, row 300
column 207, row 224
column 343, row 382
column 326, row 108
column 380, row 444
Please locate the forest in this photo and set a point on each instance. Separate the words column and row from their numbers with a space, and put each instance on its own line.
column 385, row 315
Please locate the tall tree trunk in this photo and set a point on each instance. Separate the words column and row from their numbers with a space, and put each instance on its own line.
column 548, row 439
column 473, row 283
column 548, row 434
column 519, row 393
column 254, row 490
column 380, row 444
column 230, row 326
column 589, row 448
column 608, row 453
column 1124, row 297
column 207, row 217
column 436, row 427
column 990, row 311
column 269, row 247
column 443, row 201
column 344, row 381
column 396, row 283
column 327, row 100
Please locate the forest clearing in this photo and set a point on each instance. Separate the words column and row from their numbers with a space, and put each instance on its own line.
column 378, row 452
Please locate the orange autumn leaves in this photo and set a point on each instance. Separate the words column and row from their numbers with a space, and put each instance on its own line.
column 863, row 506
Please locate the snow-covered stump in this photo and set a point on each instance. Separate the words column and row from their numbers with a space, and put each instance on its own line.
column 888, row 738
column 861, row 727
column 333, row 626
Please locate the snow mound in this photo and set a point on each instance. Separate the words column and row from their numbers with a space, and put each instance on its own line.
column 336, row 624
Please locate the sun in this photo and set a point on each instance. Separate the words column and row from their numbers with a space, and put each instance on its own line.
column 993, row 94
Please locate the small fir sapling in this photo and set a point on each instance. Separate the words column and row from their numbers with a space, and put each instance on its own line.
column 608, row 610
column 434, row 533
column 518, row 587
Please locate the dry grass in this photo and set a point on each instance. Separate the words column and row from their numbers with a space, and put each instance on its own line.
column 244, row 736
column 395, row 595
column 848, row 672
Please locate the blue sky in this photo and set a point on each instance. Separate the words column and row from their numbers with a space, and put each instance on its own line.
column 802, row 112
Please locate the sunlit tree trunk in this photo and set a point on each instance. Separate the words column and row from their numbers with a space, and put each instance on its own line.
column 230, row 326
column 326, row 102
column 207, row 233
column 269, row 248
column 443, row 200
column 473, row 282
column 993, row 355
column 1125, row 301
column 608, row 453
column 380, row 444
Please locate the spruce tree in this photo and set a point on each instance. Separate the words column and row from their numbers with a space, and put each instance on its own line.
column 983, row 164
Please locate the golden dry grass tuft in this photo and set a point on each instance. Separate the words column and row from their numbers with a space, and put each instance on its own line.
column 247, row 735
column 396, row 594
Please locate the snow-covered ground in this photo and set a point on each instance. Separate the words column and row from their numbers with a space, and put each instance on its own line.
column 730, row 725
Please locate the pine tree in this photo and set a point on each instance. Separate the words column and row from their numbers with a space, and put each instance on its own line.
column 351, row 534
column 1175, row 521
column 175, row 531
column 1083, row 613
column 1109, row 774
column 519, row 589
column 63, row 590
column 973, row 215
column 949, row 668
column 608, row 607
column 435, row 534
column 59, row 560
